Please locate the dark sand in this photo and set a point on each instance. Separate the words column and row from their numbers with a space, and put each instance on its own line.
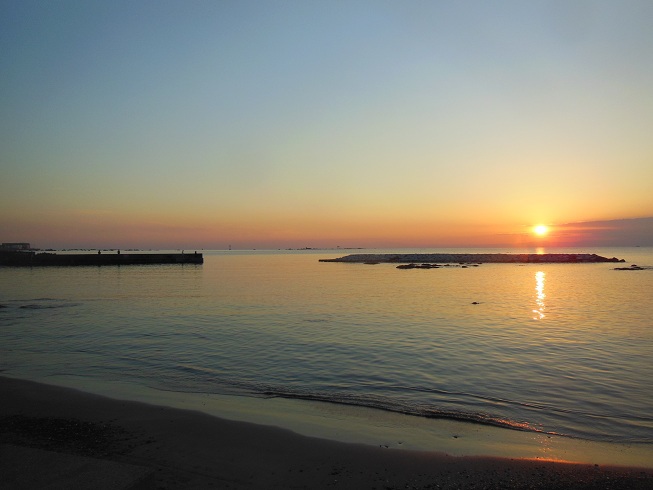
column 52, row 437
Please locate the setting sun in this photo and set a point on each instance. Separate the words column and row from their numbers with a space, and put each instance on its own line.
column 540, row 230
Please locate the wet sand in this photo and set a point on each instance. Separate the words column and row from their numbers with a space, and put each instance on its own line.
column 62, row 438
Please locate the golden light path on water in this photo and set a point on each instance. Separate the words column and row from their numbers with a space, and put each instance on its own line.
column 540, row 277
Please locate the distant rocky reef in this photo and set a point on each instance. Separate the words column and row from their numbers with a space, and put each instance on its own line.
column 466, row 259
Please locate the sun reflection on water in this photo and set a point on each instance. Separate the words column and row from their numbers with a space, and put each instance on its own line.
column 540, row 277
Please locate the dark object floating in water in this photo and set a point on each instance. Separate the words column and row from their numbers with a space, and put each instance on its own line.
column 427, row 260
column 418, row 266
column 631, row 268
column 33, row 259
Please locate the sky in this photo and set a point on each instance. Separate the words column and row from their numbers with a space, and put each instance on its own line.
column 289, row 124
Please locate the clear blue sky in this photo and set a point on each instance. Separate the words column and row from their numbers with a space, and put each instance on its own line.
column 303, row 123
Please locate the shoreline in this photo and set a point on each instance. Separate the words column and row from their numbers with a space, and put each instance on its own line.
column 376, row 427
column 161, row 447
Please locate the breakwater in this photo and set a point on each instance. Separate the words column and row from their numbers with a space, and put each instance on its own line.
column 466, row 258
column 33, row 259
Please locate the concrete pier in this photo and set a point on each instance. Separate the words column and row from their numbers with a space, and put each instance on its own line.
column 33, row 259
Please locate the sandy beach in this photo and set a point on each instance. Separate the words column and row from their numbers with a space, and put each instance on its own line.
column 53, row 437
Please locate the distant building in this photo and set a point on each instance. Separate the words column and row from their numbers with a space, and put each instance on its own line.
column 15, row 246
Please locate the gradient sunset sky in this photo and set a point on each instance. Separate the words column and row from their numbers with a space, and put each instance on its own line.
column 267, row 124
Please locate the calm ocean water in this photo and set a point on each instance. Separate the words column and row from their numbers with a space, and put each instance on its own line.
column 556, row 348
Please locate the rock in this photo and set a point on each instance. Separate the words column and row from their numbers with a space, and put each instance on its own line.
column 466, row 259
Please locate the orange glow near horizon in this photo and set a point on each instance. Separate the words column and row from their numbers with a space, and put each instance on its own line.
column 271, row 228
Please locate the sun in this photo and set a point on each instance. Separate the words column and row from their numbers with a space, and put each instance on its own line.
column 541, row 230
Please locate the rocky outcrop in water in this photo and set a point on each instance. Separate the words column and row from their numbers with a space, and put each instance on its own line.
column 497, row 258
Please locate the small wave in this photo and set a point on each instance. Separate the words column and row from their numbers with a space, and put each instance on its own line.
column 505, row 401
column 36, row 306
column 426, row 412
column 35, row 299
column 228, row 385
column 39, row 303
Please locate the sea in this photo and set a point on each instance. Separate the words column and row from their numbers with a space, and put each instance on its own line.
column 558, row 349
